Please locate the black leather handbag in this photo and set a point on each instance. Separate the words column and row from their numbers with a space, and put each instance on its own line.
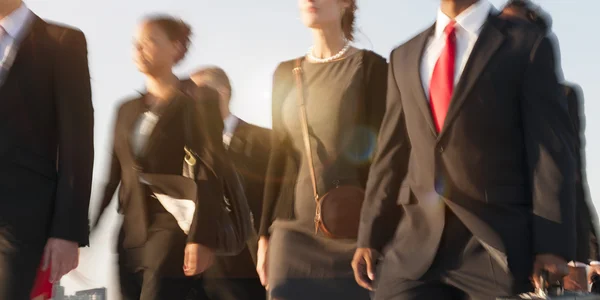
column 179, row 196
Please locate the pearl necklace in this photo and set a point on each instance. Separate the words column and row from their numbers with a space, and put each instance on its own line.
column 328, row 59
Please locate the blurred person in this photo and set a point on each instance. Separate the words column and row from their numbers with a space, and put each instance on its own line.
column 235, row 277
column 46, row 148
column 342, row 89
column 587, row 245
column 471, row 192
column 157, row 259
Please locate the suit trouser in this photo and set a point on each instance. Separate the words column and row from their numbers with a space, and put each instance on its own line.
column 462, row 269
column 234, row 277
column 154, row 271
column 234, row 289
column 149, row 284
column 19, row 261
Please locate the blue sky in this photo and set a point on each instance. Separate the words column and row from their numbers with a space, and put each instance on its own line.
column 248, row 39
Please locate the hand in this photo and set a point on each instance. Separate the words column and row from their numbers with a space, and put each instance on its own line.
column 364, row 267
column 594, row 269
column 556, row 266
column 198, row 258
column 61, row 256
column 261, row 261
column 576, row 281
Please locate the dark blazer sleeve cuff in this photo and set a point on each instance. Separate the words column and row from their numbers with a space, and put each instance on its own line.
column 64, row 230
column 546, row 239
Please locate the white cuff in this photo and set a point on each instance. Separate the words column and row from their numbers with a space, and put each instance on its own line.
column 577, row 264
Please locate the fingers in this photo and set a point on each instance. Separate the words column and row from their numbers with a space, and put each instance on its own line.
column 571, row 284
column 261, row 269
column 46, row 258
column 261, row 263
column 56, row 267
column 186, row 260
column 191, row 263
column 361, row 265
column 555, row 270
column 593, row 271
column 61, row 257
column 370, row 271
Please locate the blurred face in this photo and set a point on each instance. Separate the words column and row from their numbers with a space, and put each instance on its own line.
column 153, row 51
column 317, row 14
column 224, row 95
column 204, row 80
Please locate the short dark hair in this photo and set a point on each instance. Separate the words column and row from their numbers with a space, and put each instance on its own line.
column 534, row 13
column 176, row 29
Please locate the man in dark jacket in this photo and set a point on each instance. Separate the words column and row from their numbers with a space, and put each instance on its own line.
column 587, row 244
column 235, row 278
column 46, row 148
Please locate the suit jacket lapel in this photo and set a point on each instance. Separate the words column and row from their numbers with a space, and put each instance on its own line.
column 490, row 39
column 15, row 83
column 170, row 111
column 22, row 50
column 414, row 64
column 132, row 120
column 238, row 143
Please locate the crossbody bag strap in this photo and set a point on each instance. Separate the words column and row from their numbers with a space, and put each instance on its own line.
column 306, row 137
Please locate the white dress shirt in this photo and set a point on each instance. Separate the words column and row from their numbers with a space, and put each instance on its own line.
column 14, row 27
column 468, row 26
column 230, row 124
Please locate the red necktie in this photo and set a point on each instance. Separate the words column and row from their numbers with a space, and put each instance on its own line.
column 442, row 79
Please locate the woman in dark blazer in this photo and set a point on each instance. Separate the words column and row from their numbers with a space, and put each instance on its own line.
column 344, row 90
column 156, row 257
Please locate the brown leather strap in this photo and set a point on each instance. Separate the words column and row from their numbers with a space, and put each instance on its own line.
column 305, row 135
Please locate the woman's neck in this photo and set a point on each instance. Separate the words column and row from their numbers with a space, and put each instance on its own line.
column 327, row 42
column 161, row 86
column 453, row 8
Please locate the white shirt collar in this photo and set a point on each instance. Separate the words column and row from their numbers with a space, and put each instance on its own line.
column 16, row 21
column 471, row 20
column 230, row 123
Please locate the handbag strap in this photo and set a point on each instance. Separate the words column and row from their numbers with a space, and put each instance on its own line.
column 304, row 124
column 190, row 155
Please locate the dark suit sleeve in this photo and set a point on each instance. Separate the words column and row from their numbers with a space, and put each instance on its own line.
column 278, row 156
column 380, row 214
column 75, row 117
column 587, row 244
column 594, row 253
column 548, row 134
column 209, row 146
column 256, row 172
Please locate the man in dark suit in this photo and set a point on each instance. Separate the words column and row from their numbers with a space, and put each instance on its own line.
column 235, row 278
column 587, row 244
column 46, row 148
column 471, row 190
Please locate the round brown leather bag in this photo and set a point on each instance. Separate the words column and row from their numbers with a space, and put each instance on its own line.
column 340, row 212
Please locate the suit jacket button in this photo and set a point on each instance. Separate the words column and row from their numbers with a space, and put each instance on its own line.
column 440, row 149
